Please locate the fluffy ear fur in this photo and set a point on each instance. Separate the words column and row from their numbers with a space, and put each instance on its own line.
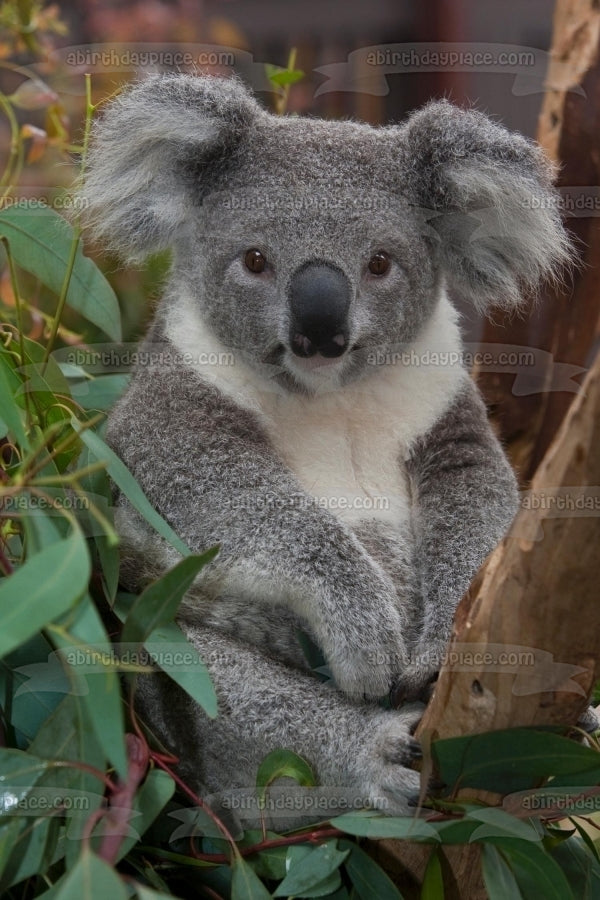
column 149, row 144
column 492, row 202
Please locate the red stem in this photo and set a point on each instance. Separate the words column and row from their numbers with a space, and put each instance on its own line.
column 118, row 814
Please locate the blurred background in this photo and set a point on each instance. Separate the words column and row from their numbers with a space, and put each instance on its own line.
column 327, row 31
column 374, row 63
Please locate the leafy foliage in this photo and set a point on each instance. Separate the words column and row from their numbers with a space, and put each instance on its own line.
column 89, row 806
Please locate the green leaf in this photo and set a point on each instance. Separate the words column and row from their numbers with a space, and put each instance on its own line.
column 42, row 377
column 96, row 683
column 577, row 780
column 91, row 879
column 432, row 887
column 459, row 831
column 19, row 774
column 376, row 826
column 535, row 871
column 326, row 887
column 123, row 478
column 42, row 530
column 166, row 646
column 309, row 866
column 30, row 703
column 499, row 881
column 269, row 863
column 282, row 77
column 98, row 484
column 45, row 587
column 509, row 760
column 498, row 823
column 99, row 393
column 159, row 603
column 580, row 867
column 283, row 764
column 245, row 883
column 368, row 878
column 68, row 735
column 192, row 676
column 40, row 242
column 145, row 893
column 32, row 850
column 12, row 414
column 9, row 833
column 586, row 839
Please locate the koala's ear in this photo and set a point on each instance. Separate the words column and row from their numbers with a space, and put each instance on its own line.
column 492, row 202
column 151, row 157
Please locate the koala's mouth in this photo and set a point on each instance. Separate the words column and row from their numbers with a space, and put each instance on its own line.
column 312, row 363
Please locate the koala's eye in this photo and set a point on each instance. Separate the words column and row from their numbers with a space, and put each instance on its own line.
column 379, row 263
column 255, row 261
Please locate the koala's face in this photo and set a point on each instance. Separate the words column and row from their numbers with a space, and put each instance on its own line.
column 306, row 255
column 308, row 244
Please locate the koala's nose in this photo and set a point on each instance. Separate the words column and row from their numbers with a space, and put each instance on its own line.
column 320, row 299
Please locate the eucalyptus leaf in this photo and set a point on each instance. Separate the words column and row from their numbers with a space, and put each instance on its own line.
column 283, row 763
column 499, row 880
column 96, row 683
column 368, row 878
column 309, row 866
column 41, row 590
column 159, row 602
column 167, row 645
column 535, row 871
column 90, row 879
column 509, row 760
column 68, row 735
column 378, row 826
column 40, row 241
column 432, row 887
column 245, row 883
column 123, row 478
column 12, row 413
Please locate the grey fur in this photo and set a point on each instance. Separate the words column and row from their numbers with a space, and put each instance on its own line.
column 196, row 165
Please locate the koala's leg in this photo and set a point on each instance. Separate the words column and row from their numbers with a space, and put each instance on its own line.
column 465, row 497
column 358, row 751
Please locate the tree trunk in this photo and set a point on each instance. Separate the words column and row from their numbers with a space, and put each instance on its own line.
column 535, row 600
column 563, row 326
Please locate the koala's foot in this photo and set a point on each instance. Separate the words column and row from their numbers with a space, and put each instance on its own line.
column 387, row 750
column 369, row 674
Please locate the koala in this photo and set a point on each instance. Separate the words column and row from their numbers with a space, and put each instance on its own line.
column 304, row 405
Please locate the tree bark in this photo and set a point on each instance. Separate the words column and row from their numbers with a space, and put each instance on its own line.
column 564, row 324
column 536, row 600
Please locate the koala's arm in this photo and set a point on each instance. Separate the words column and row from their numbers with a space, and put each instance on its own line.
column 465, row 496
column 206, row 466
column 265, row 705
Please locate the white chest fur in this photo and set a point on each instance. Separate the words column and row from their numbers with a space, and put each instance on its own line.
column 347, row 446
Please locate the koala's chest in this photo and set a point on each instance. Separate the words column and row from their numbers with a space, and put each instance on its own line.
column 347, row 452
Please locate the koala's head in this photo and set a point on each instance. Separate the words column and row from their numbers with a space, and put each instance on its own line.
column 306, row 243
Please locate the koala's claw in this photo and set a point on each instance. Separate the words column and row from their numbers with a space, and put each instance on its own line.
column 402, row 751
column 388, row 749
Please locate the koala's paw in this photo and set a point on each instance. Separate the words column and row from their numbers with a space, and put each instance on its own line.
column 367, row 663
column 387, row 752
column 367, row 674
column 414, row 684
column 416, row 681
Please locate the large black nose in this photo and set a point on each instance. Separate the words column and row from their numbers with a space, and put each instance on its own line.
column 320, row 298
